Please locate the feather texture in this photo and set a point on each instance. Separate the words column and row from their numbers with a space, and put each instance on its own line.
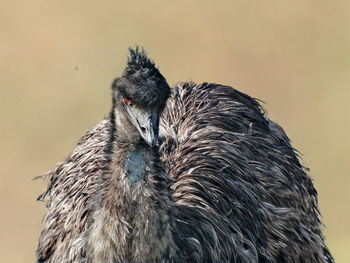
column 238, row 191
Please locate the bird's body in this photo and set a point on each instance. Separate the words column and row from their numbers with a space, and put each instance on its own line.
column 223, row 185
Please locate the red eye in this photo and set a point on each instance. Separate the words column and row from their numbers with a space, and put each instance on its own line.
column 127, row 100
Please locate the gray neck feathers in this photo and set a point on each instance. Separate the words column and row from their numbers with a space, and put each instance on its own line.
column 127, row 133
column 132, row 215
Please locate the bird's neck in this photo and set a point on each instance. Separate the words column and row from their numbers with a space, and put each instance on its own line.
column 132, row 217
column 126, row 134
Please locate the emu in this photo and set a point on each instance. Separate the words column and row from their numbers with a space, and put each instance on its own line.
column 196, row 173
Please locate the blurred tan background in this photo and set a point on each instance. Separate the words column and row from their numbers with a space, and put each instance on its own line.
column 58, row 58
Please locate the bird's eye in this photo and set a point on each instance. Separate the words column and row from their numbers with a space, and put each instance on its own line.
column 128, row 101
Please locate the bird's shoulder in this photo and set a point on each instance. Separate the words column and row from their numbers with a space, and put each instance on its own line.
column 72, row 184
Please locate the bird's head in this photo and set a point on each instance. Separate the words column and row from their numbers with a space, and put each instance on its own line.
column 141, row 93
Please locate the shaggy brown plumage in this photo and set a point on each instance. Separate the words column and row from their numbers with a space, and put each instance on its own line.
column 229, row 188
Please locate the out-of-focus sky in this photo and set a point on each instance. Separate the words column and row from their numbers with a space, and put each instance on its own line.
column 58, row 58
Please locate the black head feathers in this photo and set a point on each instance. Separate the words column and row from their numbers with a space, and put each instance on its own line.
column 141, row 82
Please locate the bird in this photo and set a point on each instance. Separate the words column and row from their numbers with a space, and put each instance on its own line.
column 191, row 173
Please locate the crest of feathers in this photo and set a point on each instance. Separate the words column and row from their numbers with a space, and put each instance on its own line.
column 141, row 80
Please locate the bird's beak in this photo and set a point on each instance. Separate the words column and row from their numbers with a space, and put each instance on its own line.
column 146, row 122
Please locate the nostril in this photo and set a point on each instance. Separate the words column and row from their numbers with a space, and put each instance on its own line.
column 143, row 129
